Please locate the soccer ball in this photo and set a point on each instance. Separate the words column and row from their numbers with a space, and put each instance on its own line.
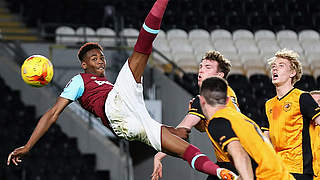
column 37, row 71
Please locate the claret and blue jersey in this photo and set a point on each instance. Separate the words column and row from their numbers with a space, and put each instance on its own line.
column 91, row 91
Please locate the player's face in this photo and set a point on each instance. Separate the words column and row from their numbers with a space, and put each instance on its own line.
column 208, row 68
column 281, row 72
column 94, row 62
column 316, row 97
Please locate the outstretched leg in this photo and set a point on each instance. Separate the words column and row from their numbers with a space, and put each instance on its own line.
column 143, row 47
column 177, row 147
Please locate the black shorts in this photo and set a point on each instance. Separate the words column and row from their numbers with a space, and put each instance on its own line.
column 302, row 176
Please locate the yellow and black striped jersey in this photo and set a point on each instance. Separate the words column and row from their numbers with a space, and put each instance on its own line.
column 195, row 108
column 288, row 122
column 228, row 125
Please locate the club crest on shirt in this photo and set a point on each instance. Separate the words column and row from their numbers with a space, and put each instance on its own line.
column 287, row 106
column 270, row 111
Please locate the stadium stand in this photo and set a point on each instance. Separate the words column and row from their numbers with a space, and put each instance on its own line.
column 19, row 121
column 190, row 31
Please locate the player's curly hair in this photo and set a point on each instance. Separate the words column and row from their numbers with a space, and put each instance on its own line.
column 224, row 64
column 87, row 47
column 293, row 58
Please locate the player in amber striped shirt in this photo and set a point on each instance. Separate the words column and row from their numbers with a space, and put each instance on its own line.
column 291, row 114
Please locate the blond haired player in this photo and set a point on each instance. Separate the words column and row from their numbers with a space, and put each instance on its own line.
column 290, row 114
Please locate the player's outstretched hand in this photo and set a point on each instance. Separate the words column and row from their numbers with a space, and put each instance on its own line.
column 226, row 174
column 157, row 169
column 16, row 155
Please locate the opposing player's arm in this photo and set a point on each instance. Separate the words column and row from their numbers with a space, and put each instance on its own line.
column 317, row 121
column 195, row 116
column 42, row 127
column 241, row 159
column 189, row 121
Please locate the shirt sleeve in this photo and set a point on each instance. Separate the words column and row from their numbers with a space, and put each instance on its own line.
column 221, row 131
column 308, row 106
column 74, row 89
column 196, row 108
column 264, row 120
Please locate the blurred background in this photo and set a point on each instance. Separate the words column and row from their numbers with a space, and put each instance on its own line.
column 247, row 32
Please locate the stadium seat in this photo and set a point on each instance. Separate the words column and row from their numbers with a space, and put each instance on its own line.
column 65, row 34
column 86, row 34
column 249, row 49
column 180, row 45
column 199, row 34
column 253, row 64
column 286, row 34
column 162, row 46
column 176, row 34
column 200, row 50
column 311, row 47
column 220, row 34
column 130, row 36
column 244, row 42
column 107, row 36
column 305, row 66
column 225, row 46
column 314, row 60
column 246, row 46
column 199, row 44
column 186, row 61
column 242, row 34
column 162, row 34
column 237, row 67
column 292, row 44
column 232, row 56
column 264, row 34
column 308, row 35
column 268, row 46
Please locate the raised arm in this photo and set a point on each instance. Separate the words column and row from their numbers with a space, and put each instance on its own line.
column 42, row 127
